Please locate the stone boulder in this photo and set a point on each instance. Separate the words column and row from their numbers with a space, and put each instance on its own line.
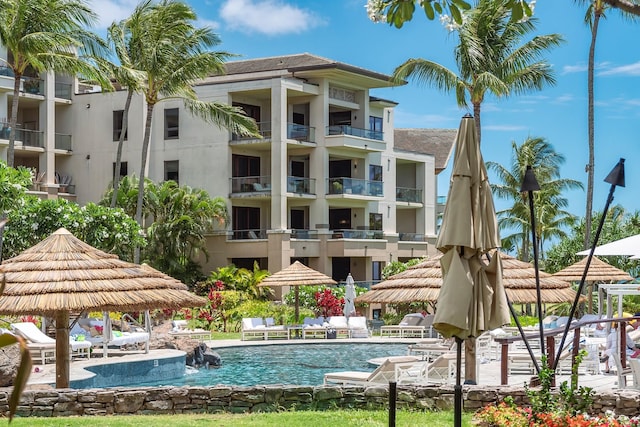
column 9, row 361
column 203, row 356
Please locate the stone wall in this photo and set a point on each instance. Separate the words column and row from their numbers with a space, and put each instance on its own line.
column 176, row 400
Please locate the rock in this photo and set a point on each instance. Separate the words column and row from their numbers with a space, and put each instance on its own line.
column 9, row 361
column 202, row 355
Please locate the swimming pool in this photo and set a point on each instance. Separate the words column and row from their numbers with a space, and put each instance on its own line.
column 294, row 364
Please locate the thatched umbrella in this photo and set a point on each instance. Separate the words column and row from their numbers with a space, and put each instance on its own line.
column 297, row 274
column 599, row 272
column 62, row 274
column 422, row 282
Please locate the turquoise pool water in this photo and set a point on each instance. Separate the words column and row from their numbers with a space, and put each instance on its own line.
column 293, row 364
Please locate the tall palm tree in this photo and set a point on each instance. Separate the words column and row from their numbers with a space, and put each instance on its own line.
column 595, row 10
column 126, row 75
column 490, row 58
column 47, row 35
column 175, row 54
column 551, row 218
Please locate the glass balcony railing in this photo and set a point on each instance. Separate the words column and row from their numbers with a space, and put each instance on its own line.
column 301, row 132
column 264, row 128
column 357, row 234
column 63, row 141
column 251, row 184
column 249, row 234
column 33, row 86
column 63, row 90
column 350, row 130
column 356, row 186
column 412, row 237
column 304, row 234
column 299, row 185
column 6, row 71
column 405, row 194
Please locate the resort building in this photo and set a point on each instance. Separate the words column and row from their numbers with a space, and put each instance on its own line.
column 330, row 182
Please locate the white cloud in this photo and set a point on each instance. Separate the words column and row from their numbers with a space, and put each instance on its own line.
column 109, row 11
column 623, row 70
column 271, row 17
column 504, row 128
column 531, row 99
column 578, row 68
column 562, row 99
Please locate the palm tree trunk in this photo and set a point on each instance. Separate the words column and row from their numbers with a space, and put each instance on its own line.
column 123, row 132
column 476, row 116
column 143, row 166
column 13, row 121
column 591, row 123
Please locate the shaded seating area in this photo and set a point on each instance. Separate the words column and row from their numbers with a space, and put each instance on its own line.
column 264, row 329
column 100, row 333
column 42, row 347
column 180, row 328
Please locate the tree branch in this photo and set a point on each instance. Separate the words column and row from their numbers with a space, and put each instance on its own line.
column 625, row 5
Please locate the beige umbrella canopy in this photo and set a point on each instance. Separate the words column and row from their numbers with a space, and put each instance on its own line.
column 62, row 274
column 422, row 282
column 297, row 274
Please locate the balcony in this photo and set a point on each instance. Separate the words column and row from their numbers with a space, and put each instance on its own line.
column 354, row 186
column 63, row 142
column 412, row 237
column 410, row 195
column 304, row 234
column 298, row 185
column 32, row 85
column 249, row 234
column 350, row 130
column 260, row 185
column 358, row 234
column 63, row 90
column 301, row 133
column 264, row 129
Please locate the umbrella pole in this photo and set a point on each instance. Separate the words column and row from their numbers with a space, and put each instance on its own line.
column 457, row 390
column 296, row 293
column 62, row 349
column 615, row 178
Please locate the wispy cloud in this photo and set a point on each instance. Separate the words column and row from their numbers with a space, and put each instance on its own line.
column 270, row 17
column 563, row 99
column 581, row 67
column 532, row 99
column 110, row 11
column 504, row 128
column 622, row 70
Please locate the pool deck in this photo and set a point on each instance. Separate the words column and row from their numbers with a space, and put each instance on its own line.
column 488, row 373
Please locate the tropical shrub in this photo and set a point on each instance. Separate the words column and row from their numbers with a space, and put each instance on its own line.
column 328, row 304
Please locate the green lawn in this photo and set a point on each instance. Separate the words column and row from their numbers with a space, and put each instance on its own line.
column 225, row 335
column 289, row 419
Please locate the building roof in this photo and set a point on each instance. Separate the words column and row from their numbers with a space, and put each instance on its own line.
column 437, row 142
column 301, row 64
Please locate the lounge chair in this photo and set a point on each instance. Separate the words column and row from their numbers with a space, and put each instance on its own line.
column 358, row 327
column 340, row 325
column 430, row 350
column 253, row 327
column 442, row 370
column 97, row 336
column 413, row 325
column 275, row 331
column 381, row 375
column 314, row 328
column 634, row 364
column 622, row 372
column 42, row 347
column 180, row 329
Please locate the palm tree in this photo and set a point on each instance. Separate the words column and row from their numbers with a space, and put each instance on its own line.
column 595, row 10
column 126, row 76
column 174, row 55
column 47, row 35
column 551, row 218
column 489, row 57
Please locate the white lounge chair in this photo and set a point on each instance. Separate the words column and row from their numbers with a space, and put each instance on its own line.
column 275, row 331
column 381, row 375
column 253, row 327
column 412, row 325
column 358, row 327
column 314, row 328
column 181, row 329
column 340, row 325
column 42, row 347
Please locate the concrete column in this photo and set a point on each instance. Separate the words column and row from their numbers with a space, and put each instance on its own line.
column 278, row 155
column 48, row 126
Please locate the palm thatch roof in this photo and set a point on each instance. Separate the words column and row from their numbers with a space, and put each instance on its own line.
column 599, row 271
column 297, row 274
column 62, row 273
column 422, row 282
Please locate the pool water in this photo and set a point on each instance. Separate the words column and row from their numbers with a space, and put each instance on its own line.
column 293, row 364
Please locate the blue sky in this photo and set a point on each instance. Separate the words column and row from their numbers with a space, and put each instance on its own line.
column 341, row 30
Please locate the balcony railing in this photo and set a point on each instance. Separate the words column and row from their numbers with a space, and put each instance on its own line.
column 357, row 234
column 405, row 194
column 264, row 128
column 63, row 141
column 356, row 186
column 24, row 137
column 33, row 86
column 441, row 200
column 304, row 234
column 251, row 184
column 350, row 130
column 301, row 132
column 298, row 185
column 6, row 71
column 412, row 237
column 63, row 90
column 250, row 234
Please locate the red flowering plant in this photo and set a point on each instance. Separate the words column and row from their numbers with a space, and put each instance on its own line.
column 218, row 310
column 328, row 304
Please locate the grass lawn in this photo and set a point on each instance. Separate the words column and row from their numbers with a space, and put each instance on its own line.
column 289, row 419
column 225, row 335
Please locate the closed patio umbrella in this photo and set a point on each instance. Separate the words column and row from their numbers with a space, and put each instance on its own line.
column 472, row 298
column 62, row 274
column 349, row 297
